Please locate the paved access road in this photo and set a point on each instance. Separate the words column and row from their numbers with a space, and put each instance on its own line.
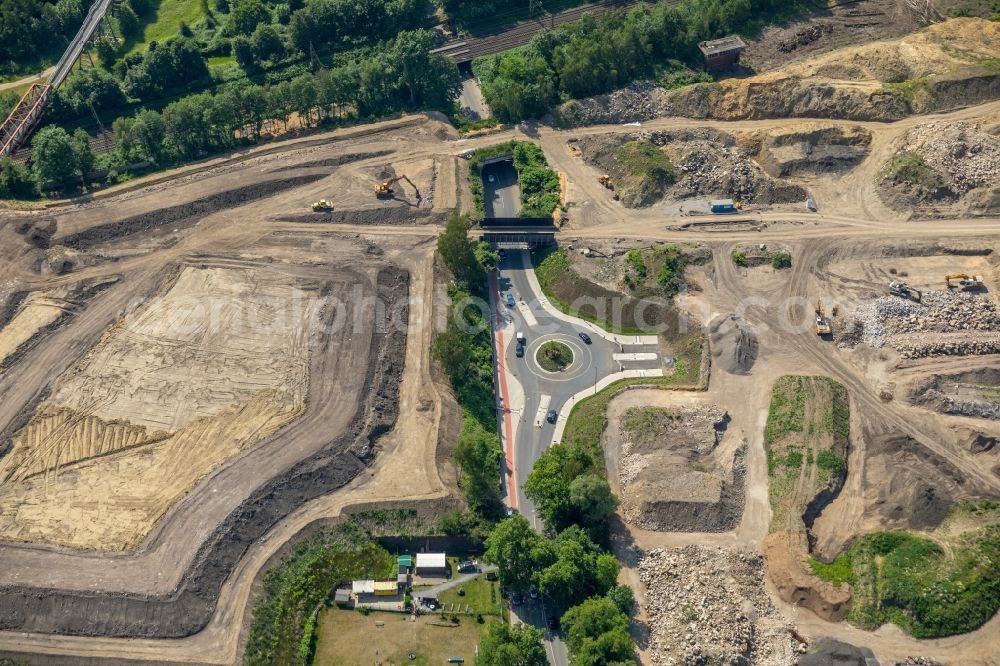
column 502, row 195
column 529, row 392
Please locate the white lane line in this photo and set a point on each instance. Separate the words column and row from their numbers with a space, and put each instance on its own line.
column 636, row 356
column 543, row 410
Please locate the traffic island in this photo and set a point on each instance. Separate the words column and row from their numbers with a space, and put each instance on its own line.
column 554, row 356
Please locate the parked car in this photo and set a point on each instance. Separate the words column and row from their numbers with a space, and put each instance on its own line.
column 553, row 622
column 511, row 512
column 552, row 416
column 491, row 575
column 519, row 352
column 584, row 337
column 492, row 178
column 516, row 598
column 467, row 567
column 533, row 591
column 510, row 299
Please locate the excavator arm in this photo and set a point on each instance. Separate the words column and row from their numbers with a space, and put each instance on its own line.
column 384, row 189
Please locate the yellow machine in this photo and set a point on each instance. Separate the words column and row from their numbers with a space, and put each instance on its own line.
column 964, row 281
column 822, row 321
column 573, row 150
column 605, row 180
column 384, row 190
column 322, row 206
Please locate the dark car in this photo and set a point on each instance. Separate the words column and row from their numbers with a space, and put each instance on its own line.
column 533, row 591
column 552, row 416
column 516, row 598
column 467, row 567
column 519, row 352
column 511, row 512
column 553, row 622
column 584, row 337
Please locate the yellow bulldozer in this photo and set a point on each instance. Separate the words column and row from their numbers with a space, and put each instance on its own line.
column 965, row 282
column 823, row 326
column 384, row 189
column 322, row 206
column 605, row 180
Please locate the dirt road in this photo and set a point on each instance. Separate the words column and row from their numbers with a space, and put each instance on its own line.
column 344, row 165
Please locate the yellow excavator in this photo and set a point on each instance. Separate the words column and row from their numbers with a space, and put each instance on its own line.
column 384, row 190
column 965, row 281
column 605, row 180
column 822, row 321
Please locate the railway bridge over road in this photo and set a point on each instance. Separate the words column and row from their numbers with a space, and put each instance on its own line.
column 29, row 110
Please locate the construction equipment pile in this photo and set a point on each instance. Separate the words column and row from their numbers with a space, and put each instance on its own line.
column 688, row 591
column 944, row 324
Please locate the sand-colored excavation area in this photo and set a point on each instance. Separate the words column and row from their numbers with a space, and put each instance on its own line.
column 216, row 362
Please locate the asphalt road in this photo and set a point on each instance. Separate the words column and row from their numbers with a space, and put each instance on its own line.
column 543, row 391
column 502, row 195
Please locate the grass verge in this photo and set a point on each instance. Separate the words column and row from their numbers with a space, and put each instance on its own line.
column 554, row 356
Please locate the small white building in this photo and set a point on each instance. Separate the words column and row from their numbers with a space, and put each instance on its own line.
column 363, row 587
column 432, row 564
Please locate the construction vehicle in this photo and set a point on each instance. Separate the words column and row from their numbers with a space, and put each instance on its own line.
column 322, row 206
column 822, row 321
column 384, row 190
column 904, row 290
column 605, row 180
column 574, row 150
column 965, row 282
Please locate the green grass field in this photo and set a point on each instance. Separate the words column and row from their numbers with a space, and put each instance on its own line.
column 480, row 596
column 165, row 19
column 348, row 638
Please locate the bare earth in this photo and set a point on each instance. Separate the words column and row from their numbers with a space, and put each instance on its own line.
column 135, row 420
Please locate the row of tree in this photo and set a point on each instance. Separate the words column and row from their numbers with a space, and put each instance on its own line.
column 593, row 56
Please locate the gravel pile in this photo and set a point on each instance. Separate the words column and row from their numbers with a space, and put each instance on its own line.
column 709, row 606
column 869, row 323
column 943, row 324
column 966, row 156
column 708, row 168
column 641, row 100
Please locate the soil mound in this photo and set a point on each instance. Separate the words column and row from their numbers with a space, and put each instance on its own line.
column 671, row 477
column 734, row 345
column 830, row 652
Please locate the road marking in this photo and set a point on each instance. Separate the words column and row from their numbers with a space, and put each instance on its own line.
column 636, row 356
column 543, row 410
column 529, row 316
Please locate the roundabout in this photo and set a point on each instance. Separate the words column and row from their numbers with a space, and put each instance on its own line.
column 567, row 357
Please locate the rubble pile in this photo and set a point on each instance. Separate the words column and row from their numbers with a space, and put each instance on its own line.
column 689, row 589
column 964, row 155
column 709, row 169
column 641, row 100
column 919, row 661
column 943, row 324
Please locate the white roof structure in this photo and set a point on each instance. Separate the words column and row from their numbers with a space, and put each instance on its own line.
column 431, row 561
column 363, row 587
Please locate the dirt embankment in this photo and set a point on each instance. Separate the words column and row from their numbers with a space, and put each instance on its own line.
column 184, row 213
column 190, row 608
column 945, row 66
column 974, row 393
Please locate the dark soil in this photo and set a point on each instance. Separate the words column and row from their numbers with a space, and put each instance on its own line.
column 830, row 652
column 399, row 215
column 340, row 160
column 937, row 393
column 184, row 213
column 189, row 609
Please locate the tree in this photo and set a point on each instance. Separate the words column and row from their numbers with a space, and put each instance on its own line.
column 245, row 16
column 106, row 53
column 592, row 503
column 597, row 633
column 140, row 137
column 128, row 22
column 548, row 484
column 515, row 548
column 478, row 454
column 83, row 154
column 266, row 42
column 15, row 180
column 623, row 597
column 243, row 52
column 506, row 645
column 487, row 257
column 53, row 156
column 458, row 252
column 575, row 569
